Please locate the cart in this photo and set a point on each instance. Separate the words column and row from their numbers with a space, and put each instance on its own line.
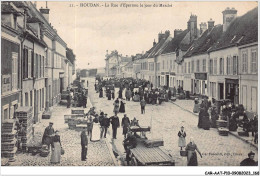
column 147, row 153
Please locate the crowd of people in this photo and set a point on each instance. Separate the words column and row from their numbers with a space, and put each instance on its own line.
column 208, row 116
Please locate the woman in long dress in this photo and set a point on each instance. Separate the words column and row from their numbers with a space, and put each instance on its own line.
column 56, row 149
column 96, row 130
column 182, row 135
column 191, row 148
column 122, row 107
column 116, row 106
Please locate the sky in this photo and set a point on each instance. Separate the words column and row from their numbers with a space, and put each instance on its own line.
column 91, row 31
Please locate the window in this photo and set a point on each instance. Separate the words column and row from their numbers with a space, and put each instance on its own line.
column 151, row 66
column 42, row 66
column 204, row 65
column 26, row 99
column 170, row 64
column 42, row 98
column 29, row 64
column 221, row 66
column 198, row 66
column 182, row 68
column 25, row 63
column 244, row 62
column 36, row 65
column 32, row 64
column 185, row 68
column 215, row 66
column 228, row 65
column 167, row 65
column 6, row 112
column 211, row 66
column 163, row 65
column 14, row 71
column 31, row 98
column 234, row 65
column 253, row 62
column 192, row 66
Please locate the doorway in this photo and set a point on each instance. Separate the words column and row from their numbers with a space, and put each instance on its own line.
column 221, row 90
column 167, row 80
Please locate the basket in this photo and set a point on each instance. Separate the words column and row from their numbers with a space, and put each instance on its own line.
column 223, row 131
column 44, row 153
column 184, row 153
column 62, row 151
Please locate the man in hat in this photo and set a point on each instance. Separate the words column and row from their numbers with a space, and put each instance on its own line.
column 125, row 124
column 84, row 145
column 104, row 125
column 249, row 161
column 48, row 134
column 129, row 142
column 115, row 124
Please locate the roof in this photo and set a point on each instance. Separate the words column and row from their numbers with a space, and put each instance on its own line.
column 34, row 20
column 175, row 43
column 159, row 47
column 129, row 64
column 205, row 42
column 241, row 31
column 126, row 59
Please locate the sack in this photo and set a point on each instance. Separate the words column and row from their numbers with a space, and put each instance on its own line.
column 184, row 153
column 62, row 151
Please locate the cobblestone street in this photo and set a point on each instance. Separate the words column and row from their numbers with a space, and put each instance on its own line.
column 98, row 152
column 166, row 122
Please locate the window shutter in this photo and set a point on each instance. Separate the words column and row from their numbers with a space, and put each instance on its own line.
column 32, row 66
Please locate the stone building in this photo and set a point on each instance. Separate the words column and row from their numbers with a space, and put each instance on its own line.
column 10, row 61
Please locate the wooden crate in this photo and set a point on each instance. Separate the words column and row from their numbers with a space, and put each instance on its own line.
column 221, row 123
column 223, row 131
column 153, row 143
column 77, row 111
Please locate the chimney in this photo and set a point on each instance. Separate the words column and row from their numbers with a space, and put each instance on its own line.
column 45, row 12
column 210, row 24
column 167, row 34
column 160, row 36
column 177, row 32
column 154, row 43
column 228, row 15
column 192, row 27
column 203, row 28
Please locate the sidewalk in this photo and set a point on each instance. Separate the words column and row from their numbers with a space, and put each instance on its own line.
column 187, row 105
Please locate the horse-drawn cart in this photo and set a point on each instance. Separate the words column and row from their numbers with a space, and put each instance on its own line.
column 148, row 152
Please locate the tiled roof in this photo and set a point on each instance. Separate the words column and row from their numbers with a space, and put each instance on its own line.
column 34, row 20
column 159, row 47
column 205, row 42
column 175, row 43
column 242, row 30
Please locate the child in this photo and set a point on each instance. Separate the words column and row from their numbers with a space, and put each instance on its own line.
column 182, row 135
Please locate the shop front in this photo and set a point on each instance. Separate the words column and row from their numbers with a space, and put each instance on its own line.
column 232, row 90
column 200, row 83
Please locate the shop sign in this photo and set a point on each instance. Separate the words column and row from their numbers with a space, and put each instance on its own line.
column 231, row 81
column 172, row 73
column 201, row 76
column 61, row 75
